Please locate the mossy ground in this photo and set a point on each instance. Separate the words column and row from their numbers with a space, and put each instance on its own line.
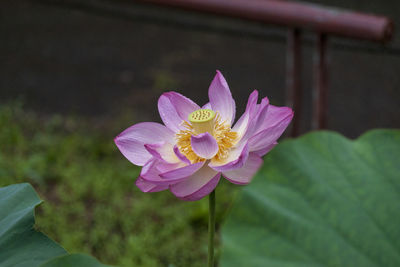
column 91, row 204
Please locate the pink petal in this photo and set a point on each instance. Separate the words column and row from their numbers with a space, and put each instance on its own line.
column 242, row 125
column 180, row 156
column 163, row 166
column 235, row 160
column 158, row 173
column 182, row 172
column 152, row 149
column 253, row 116
column 261, row 114
column 207, row 106
column 151, row 171
column 197, row 186
column 174, row 108
column 221, row 98
column 268, row 136
column 204, row 145
column 265, row 150
column 148, row 187
column 245, row 174
column 275, row 115
column 163, row 151
column 252, row 101
column 131, row 141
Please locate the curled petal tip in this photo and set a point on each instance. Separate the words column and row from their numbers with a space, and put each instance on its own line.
column 131, row 141
column 180, row 156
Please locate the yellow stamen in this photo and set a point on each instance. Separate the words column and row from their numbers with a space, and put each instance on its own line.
column 202, row 121
column 226, row 139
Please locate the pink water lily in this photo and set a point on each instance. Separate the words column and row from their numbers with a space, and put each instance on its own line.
column 188, row 154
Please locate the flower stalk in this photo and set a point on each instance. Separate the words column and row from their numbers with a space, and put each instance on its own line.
column 211, row 229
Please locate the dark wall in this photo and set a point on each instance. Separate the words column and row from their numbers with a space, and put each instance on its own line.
column 101, row 58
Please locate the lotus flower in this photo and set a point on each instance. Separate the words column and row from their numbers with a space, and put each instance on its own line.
column 188, row 154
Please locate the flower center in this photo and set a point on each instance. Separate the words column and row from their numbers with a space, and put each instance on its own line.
column 201, row 121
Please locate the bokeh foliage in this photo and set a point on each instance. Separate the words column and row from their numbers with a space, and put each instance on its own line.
column 90, row 202
column 320, row 200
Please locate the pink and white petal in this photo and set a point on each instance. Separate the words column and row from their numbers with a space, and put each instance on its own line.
column 131, row 141
column 151, row 172
column 197, row 186
column 184, row 106
column 153, row 149
column 236, row 159
column 252, row 101
column 182, row 172
column 204, row 145
column 242, row 125
column 174, row 108
column 163, row 151
column 221, row 98
column 180, row 156
column 247, row 122
column 163, row 166
column 245, row 174
column 147, row 187
column 256, row 118
column 265, row 150
column 268, row 136
column 207, row 106
column 276, row 115
column 167, row 153
column 205, row 190
column 262, row 111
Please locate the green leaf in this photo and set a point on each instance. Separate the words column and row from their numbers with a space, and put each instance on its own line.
column 20, row 244
column 73, row 260
column 320, row 200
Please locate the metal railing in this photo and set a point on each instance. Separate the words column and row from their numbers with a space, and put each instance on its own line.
column 298, row 17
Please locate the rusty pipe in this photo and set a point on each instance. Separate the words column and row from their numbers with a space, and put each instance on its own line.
column 294, row 14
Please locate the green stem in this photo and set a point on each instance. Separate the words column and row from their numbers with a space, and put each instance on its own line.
column 211, row 229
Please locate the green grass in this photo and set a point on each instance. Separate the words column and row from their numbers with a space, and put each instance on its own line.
column 91, row 203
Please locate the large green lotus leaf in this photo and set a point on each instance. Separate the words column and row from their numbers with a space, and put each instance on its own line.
column 73, row 260
column 320, row 200
column 20, row 244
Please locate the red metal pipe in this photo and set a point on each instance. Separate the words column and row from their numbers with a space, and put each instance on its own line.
column 294, row 14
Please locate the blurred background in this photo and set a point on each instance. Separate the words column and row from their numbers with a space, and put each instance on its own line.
column 76, row 73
